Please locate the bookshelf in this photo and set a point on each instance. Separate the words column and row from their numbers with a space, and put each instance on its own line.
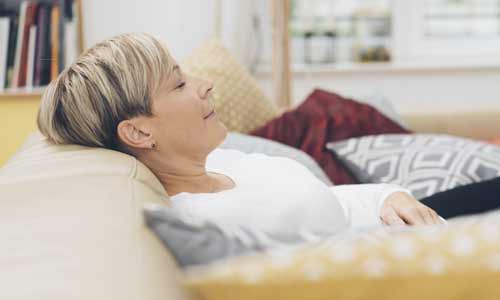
column 37, row 91
column 19, row 106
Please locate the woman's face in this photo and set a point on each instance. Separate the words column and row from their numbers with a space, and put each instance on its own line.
column 184, row 120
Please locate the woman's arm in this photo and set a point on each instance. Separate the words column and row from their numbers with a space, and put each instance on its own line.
column 368, row 205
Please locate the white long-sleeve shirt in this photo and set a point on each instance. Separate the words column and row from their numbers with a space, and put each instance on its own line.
column 279, row 195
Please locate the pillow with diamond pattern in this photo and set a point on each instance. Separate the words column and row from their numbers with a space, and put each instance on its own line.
column 423, row 163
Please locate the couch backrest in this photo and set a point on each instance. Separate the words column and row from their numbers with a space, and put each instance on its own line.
column 71, row 226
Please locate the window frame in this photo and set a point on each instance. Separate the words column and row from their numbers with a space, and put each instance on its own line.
column 410, row 43
column 409, row 48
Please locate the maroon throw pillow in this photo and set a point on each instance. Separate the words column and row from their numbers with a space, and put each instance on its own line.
column 327, row 117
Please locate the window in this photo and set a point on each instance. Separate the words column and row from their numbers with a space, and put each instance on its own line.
column 326, row 32
column 449, row 29
column 452, row 19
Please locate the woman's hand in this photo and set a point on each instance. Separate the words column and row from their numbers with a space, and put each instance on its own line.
column 400, row 209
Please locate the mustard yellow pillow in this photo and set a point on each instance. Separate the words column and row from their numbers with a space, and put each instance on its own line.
column 459, row 261
column 238, row 100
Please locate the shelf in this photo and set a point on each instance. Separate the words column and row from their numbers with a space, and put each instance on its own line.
column 22, row 93
column 383, row 67
column 450, row 17
column 385, row 17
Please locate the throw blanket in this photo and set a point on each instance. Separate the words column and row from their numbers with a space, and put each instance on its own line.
column 326, row 117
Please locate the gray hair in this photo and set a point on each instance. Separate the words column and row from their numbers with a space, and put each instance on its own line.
column 110, row 82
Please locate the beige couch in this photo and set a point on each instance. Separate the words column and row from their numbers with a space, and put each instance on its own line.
column 71, row 227
column 71, row 223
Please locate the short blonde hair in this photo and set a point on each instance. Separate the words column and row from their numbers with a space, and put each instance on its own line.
column 110, row 82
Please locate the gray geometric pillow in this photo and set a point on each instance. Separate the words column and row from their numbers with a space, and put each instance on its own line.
column 252, row 144
column 423, row 163
column 197, row 241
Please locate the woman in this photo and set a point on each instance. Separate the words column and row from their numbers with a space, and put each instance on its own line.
column 128, row 94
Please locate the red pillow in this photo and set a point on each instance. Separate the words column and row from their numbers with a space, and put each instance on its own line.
column 326, row 117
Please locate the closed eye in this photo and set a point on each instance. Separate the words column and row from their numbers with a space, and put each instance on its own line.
column 180, row 85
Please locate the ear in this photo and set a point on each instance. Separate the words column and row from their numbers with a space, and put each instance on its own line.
column 132, row 136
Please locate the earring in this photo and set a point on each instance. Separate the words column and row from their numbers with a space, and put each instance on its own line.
column 153, row 145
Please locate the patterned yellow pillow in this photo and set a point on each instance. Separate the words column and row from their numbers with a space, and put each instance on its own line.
column 459, row 261
column 239, row 102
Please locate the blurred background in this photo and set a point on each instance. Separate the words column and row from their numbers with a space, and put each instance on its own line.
column 421, row 55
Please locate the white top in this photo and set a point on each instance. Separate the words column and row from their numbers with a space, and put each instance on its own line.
column 281, row 196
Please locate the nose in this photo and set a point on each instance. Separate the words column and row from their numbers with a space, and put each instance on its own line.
column 205, row 89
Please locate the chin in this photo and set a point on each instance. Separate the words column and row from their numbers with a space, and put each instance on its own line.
column 216, row 137
column 222, row 135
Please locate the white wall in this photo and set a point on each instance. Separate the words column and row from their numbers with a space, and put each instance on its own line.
column 410, row 90
column 184, row 24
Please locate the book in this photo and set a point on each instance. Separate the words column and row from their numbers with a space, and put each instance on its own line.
column 29, row 20
column 71, row 42
column 19, row 39
column 70, row 50
column 4, row 44
column 70, row 31
column 43, row 37
column 42, row 52
column 30, row 67
column 14, row 19
column 54, row 41
column 64, row 14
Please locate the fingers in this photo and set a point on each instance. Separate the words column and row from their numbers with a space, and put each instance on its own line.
column 412, row 216
column 400, row 208
column 420, row 215
column 430, row 216
column 427, row 216
column 391, row 218
column 435, row 217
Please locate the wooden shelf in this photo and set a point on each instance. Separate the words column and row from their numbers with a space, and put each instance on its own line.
column 22, row 93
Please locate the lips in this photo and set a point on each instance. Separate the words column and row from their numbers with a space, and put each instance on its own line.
column 211, row 113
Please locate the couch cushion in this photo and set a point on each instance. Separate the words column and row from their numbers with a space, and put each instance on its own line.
column 37, row 159
column 72, row 228
column 194, row 240
column 458, row 261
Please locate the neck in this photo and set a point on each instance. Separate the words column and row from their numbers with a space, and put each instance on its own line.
column 178, row 183
column 181, row 174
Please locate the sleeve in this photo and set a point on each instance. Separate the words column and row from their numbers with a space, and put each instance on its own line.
column 362, row 202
